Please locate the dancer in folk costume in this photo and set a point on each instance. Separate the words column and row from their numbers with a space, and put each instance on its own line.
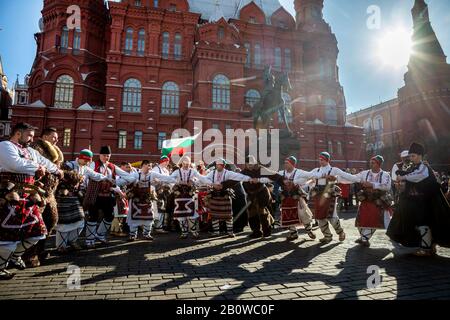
column 201, row 168
column 325, row 197
column 184, row 191
column 200, row 200
column 142, row 199
column 201, row 208
column 161, row 168
column 100, row 198
column 121, row 209
column 294, row 208
column 46, row 146
column 219, row 197
column 422, row 218
column 403, row 165
column 239, row 204
column 21, row 223
column 258, row 198
column 69, row 195
column 375, row 210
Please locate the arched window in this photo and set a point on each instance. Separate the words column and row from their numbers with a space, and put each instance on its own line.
column 330, row 147
column 367, row 124
column 321, row 67
column 252, row 97
column 277, row 61
column 221, row 33
column 23, row 98
column 288, row 103
column 64, row 92
column 65, row 38
column 132, row 96
column 141, row 42
column 165, row 45
column 257, row 55
column 287, row 59
column 138, row 140
column 325, row 68
column 248, row 60
column 221, row 92
column 331, row 116
column 330, row 102
column 339, row 148
column 177, row 47
column 67, row 137
column 378, row 123
column 129, row 41
column 77, row 39
column 122, row 141
column 170, row 98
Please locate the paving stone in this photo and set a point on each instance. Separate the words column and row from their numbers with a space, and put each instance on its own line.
column 287, row 296
column 237, row 268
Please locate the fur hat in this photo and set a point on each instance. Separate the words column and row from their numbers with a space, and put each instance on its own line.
column 105, row 150
column 50, row 150
column 417, row 148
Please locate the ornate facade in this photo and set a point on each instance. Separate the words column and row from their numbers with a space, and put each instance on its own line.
column 136, row 70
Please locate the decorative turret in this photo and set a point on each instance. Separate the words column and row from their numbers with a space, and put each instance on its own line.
column 309, row 12
column 70, row 50
column 427, row 53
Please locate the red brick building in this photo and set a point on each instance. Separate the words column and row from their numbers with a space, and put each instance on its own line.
column 382, row 129
column 5, row 105
column 422, row 110
column 136, row 70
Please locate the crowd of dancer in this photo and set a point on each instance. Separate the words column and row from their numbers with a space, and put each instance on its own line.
column 41, row 193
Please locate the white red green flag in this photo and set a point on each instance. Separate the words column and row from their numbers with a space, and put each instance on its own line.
column 178, row 146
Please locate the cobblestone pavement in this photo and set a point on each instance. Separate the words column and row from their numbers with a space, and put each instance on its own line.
column 239, row 268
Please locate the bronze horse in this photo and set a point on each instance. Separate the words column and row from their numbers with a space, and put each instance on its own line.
column 272, row 100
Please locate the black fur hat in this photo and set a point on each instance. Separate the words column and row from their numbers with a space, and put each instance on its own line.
column 105, row 150
column 417, row 148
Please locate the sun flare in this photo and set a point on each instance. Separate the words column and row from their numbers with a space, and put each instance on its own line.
column 395, row 48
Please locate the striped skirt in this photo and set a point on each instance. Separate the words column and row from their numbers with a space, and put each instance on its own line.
column 220, row 208
column 69, row 210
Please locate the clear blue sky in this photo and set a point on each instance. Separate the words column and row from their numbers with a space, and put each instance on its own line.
column 366, row 81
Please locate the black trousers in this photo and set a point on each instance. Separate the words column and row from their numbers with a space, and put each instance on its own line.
column 102, row 209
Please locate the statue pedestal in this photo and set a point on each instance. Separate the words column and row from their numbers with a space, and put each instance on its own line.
column 289, row 145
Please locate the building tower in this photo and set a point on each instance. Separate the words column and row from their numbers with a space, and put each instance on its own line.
column 425, row 98
column 69, row 68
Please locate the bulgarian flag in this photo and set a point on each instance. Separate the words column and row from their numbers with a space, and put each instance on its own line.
column 178, row 146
